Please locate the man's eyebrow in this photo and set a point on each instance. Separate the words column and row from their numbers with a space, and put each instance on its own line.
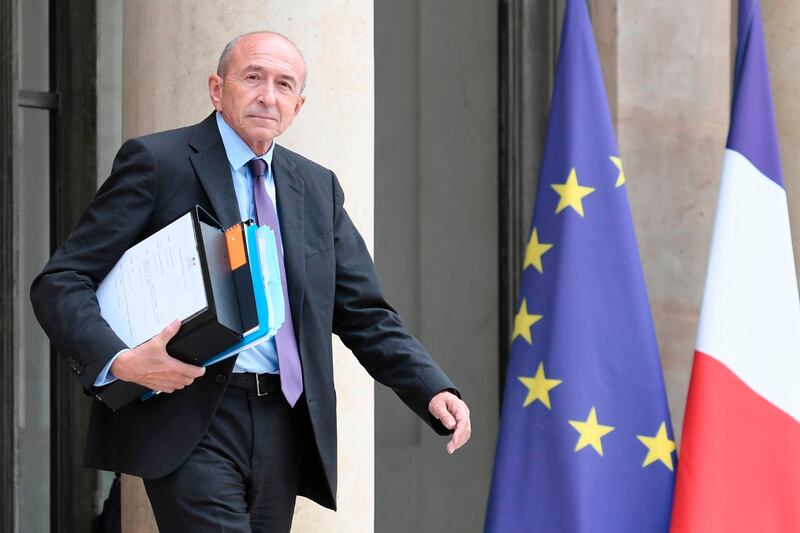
column 258, row 68
column 288, row 77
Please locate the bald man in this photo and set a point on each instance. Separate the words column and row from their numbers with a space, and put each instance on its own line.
column 229, row 447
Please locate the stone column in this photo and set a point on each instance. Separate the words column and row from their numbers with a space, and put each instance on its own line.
column 668, row 69
column 781, row 23
column 169, row 49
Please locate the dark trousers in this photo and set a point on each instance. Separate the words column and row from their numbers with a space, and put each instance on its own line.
column 243, row 476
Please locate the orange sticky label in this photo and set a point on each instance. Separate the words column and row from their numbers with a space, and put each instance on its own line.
column 235, row 241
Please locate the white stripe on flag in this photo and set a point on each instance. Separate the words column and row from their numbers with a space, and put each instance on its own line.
column 750, row 319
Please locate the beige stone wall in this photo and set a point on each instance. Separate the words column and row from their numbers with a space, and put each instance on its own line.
column 169, row 48
column 669, row 70
column 782, row 33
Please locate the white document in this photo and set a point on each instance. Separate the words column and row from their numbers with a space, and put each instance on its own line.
column 155, row 282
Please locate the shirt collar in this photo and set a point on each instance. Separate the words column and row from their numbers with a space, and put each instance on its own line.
column 236, row 149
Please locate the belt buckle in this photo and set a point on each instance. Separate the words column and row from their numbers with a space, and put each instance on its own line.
column 258, row 389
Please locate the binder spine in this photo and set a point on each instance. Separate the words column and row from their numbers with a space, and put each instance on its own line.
column 242, row 277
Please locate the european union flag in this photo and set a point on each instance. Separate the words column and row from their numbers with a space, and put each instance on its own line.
column 585, row 440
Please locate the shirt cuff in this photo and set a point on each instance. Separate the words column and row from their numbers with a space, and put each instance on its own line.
column 105, row 376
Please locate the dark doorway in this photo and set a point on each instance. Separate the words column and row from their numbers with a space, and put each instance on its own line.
column 529, row 32
column 47, row 155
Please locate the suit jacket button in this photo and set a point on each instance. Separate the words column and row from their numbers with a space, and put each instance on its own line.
column 221, row 378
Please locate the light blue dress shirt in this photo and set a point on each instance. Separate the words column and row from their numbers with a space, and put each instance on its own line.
column 264, row 357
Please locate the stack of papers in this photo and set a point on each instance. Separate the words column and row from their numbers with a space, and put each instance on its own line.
column 224, row 286
column 154, row 282
column 262, row 253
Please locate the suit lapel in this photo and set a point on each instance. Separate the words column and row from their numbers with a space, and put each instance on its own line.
column 289, row 188
column 214, row 172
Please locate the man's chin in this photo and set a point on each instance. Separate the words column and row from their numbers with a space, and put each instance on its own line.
column 260, row 135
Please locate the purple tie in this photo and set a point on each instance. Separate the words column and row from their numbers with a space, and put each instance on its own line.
column 288, row 354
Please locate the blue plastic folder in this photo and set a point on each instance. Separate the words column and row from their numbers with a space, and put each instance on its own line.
column 262, row 255
column 268, row 258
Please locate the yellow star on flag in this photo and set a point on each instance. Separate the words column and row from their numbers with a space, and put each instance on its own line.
column 571, row 193
column 539, row 387
column 523, row 322
column 659, row 448
column 591, row 432
column 618, row 163
column 535, row 251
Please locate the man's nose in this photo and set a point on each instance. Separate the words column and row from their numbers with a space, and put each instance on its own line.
column 267, row 94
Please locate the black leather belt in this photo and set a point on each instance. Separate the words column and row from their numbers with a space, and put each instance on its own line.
column 261, row 384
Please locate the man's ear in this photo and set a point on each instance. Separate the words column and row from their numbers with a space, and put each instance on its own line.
column 299, row 105
column 215, row 84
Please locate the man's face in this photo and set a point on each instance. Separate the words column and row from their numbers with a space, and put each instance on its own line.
column 259, row 95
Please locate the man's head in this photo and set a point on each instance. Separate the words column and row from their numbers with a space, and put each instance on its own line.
column 258, row 86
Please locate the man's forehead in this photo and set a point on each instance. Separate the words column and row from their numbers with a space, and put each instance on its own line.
column 266, row 45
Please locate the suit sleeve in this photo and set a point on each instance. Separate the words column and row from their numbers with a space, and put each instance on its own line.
column 369, row 326
column 63, row 295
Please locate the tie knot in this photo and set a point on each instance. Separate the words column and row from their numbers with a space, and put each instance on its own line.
column 257, row 166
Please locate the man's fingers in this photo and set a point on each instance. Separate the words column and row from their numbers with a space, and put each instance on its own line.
column 455, row 441
column 448, row 409
column 169, row 331
column 461, row 411
column 460, row 435
column 180, row 381
column 170, row 384
column 440, row 411
column 453, row 414
column 186, row 370
column 192, row 371
column 174, row 375
column 448, row 421
column 458, row 412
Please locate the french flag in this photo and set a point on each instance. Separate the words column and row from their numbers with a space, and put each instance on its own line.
column 739, row 465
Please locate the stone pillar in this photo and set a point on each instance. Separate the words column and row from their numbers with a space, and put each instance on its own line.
column 169, row 49
column 436, row 247
column 781, row 23
column 668, row 67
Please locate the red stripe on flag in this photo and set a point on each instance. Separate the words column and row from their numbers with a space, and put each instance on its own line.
column 739, row 466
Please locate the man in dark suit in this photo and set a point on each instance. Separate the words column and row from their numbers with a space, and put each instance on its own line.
column 232, row 451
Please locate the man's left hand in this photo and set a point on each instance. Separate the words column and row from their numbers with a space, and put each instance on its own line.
column 453, row 414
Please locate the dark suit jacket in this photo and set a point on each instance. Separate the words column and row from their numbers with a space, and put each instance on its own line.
column 332, row 287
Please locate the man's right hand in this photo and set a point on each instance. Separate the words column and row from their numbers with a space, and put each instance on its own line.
column 150, row 365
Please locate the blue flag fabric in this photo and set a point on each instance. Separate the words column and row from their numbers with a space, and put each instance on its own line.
column 585, row 441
